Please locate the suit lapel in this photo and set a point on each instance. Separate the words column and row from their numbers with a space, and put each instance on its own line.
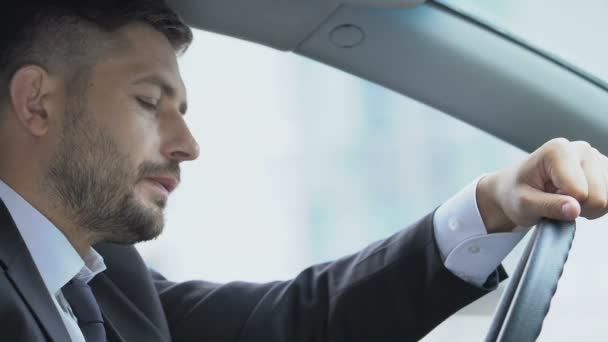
column 124, row 319
column 24, row 275
column 111, row 330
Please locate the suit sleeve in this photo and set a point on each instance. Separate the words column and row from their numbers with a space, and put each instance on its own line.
column 393, row 290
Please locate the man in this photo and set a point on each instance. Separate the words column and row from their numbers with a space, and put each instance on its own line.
column 91, row 138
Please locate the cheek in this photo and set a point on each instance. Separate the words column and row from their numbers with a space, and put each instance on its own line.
column 134, row 130
column 136, row 133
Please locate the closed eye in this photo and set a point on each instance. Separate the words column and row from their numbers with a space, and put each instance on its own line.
column 147, row 104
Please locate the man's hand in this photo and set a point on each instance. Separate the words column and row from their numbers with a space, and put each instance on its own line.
column 561, row 180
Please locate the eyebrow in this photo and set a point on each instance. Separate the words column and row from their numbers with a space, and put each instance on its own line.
column 166, row 88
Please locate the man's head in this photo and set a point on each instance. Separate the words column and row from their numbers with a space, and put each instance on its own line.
column 91, row 113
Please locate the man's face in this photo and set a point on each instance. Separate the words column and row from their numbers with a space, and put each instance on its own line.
column 123, row 137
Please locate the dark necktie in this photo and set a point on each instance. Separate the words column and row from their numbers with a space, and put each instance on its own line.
column 85, row 308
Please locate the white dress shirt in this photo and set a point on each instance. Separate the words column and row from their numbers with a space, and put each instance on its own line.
column 466, row 248
column 56, row 259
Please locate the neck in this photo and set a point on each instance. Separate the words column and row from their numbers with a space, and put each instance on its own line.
column 48, row 204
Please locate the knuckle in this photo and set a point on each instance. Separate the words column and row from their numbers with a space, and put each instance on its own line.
column 526, row 203
column 581, row 195
column 550, row 146
column 561, row 141
column 587, row 154
column 597, row 156
column 557, row 148
column 552, row 155
column 520, row 205
column 582, row 145
column 524, row 200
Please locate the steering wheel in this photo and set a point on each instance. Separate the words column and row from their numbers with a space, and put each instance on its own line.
column 526, row 300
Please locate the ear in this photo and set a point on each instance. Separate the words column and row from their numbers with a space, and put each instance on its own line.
column 29, row 89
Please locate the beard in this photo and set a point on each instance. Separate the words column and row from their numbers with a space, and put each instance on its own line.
column 95, row 186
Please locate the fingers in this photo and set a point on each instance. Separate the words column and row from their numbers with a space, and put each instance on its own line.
column 578, row 170
column 561, row 163
column 604, row 164
column 535, row 204
column 595, row 172
column 562, row 180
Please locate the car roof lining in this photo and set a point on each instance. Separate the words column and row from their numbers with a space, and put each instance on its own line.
column 431, row 54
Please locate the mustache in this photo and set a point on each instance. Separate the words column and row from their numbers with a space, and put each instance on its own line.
column 149, row 169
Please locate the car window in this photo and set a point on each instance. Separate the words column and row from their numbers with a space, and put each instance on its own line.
column 301, row 163
column 572, row 31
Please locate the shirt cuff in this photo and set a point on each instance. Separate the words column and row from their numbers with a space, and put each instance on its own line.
column 466, row 248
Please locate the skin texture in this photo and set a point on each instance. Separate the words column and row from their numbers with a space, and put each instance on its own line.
column 561, row 180
column 82, row 159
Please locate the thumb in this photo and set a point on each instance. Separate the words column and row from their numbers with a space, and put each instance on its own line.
column 553, row 206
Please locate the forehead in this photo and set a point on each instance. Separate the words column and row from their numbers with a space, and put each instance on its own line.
column 139, row 51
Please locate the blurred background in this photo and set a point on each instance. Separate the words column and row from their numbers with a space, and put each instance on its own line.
column 301, row 163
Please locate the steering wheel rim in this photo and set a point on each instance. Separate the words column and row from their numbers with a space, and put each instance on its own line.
column 527, row 298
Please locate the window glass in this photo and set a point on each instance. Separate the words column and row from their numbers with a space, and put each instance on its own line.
column 573, row 31
column 301, row 163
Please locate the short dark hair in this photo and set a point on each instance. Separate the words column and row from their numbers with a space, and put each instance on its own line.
column 60, row 35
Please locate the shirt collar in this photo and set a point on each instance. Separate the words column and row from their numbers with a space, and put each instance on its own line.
column 54, row 256
column 93, row 265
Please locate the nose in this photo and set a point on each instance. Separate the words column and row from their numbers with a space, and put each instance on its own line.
column 179, row 144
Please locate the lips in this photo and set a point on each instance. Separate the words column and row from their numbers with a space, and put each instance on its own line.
column 169, row 183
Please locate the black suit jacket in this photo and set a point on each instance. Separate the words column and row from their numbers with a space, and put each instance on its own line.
column 394, row 290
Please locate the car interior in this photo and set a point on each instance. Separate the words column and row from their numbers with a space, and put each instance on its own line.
column 460, row 64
